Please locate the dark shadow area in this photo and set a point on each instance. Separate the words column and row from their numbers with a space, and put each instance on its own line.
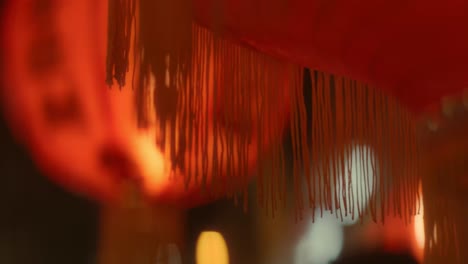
column 39, row 222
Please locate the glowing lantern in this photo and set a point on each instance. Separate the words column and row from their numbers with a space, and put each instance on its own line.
column 86, row 136
column 415, row 52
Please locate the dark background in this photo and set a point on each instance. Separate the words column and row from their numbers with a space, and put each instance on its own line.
column 40, row 223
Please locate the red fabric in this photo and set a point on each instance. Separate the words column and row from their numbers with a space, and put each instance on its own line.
column 416, row 50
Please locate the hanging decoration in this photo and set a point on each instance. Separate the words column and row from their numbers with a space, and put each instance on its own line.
column 445, row 158
column 92, row 138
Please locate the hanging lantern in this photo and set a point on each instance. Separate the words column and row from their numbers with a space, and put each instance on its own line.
column 414, row 52
column 90, row 137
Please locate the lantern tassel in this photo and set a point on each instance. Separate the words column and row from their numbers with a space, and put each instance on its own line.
column 121, row 17
column 445, row 170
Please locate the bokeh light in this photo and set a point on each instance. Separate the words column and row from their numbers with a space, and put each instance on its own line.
column 419, row 227
column 322, row 242
column 169, row 254
column 211, row 249
column 362, row 175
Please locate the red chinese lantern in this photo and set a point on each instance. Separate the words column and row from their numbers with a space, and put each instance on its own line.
column 84, row 134
column 414, row 51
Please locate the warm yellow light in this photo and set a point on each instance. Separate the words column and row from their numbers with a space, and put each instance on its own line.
column 151, row 160
column 419, row 223
column 419, row 233
column 419, row 228
column 211, row 249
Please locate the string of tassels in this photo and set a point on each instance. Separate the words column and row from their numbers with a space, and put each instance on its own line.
column 215, row 104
